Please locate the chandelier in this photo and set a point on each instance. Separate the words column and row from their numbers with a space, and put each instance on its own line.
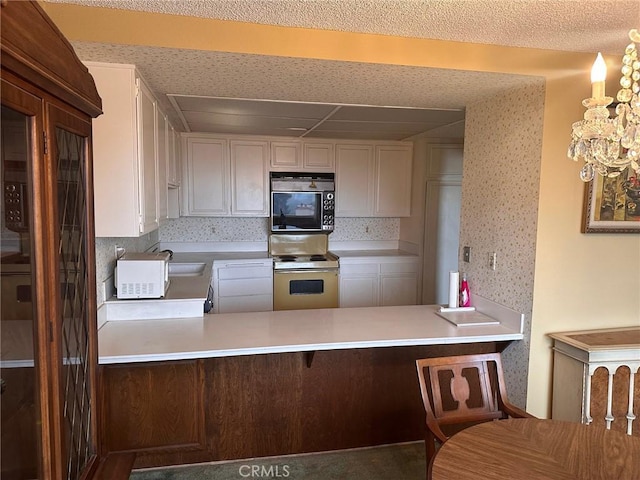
column 608, row 145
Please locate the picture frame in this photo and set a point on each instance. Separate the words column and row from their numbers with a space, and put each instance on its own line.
column 612, row 205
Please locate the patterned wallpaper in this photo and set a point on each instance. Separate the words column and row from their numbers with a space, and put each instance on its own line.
column 502, row 156
column 220, row 229
column 106, row 256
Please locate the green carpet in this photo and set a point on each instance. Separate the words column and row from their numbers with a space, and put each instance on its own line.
column 392, row 462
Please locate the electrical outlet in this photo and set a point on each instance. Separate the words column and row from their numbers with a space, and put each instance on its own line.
column 493, row 260
column 466, row 253
column 119, row 251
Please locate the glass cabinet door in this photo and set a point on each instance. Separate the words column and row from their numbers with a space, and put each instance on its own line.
column 19, row 403
column 48, row 325
column 76, row 279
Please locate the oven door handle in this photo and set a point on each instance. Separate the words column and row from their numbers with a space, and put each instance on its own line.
column 308, row 270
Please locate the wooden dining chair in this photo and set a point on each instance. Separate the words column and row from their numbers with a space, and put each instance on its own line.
column 461, row 391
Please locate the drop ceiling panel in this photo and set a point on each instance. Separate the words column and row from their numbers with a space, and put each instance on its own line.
column 395, row 114
column 342, row 135
column 247, row 121
column 235, row 130
column 253, row 107
column 376, row 127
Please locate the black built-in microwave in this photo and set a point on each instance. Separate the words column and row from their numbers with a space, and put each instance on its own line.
column 302, row 202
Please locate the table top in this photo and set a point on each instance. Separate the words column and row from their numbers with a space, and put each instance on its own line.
column 538, row 449
column 607, row 338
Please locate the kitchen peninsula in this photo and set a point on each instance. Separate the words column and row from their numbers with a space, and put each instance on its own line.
column 230, row 386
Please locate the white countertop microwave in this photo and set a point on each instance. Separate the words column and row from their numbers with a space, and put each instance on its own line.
column 142, row 275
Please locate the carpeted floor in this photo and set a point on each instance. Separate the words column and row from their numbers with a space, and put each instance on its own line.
column 393, row 462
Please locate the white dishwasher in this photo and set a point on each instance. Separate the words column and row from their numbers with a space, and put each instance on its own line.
column 242, row 285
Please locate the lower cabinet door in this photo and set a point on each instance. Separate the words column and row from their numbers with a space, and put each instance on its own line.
column 358, row 291
column 401, row 290
column 154, row 407
column 246, row 303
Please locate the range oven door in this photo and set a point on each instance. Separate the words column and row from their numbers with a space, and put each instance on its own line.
column 305, row 289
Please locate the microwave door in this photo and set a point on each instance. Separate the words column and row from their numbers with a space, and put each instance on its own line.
column 293, row 211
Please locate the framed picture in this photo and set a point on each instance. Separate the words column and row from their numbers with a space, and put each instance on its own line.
column 612, row 205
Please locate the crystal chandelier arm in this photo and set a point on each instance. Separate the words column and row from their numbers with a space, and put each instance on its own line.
column 609, row 146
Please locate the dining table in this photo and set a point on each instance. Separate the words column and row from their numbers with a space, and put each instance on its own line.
column 536, row 449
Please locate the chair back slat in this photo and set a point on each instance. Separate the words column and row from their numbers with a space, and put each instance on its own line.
column 460, row 391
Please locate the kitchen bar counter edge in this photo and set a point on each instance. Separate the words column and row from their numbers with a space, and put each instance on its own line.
column 237, row 334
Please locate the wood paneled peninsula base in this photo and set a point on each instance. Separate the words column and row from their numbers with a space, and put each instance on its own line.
column 262, row 398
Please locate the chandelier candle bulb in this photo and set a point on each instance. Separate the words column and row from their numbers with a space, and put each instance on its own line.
column 610, row 146
column 598, row 77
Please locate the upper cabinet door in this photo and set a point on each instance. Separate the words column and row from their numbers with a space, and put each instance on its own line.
column 148, row 162
column 286, row 156
column 207, row 177
column 249, row 178
column 130, row 140
column 163, row 160
column 354, row 180
column 393, row 181
column 318, row 156
column 173, row 162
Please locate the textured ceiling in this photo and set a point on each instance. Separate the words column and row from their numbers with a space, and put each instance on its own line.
column 549, row 24
column 526, row 23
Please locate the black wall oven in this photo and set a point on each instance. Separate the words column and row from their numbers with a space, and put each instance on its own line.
column 302, row 202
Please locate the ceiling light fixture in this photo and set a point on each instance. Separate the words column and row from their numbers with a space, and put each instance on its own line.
column 610, row 145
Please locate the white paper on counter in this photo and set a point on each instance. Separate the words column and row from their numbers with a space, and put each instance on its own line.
column 468, row 319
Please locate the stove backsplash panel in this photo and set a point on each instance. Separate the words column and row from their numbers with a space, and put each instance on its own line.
column 252, row 229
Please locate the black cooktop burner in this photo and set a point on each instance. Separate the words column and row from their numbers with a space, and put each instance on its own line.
column 318, row 258
column 287, row 258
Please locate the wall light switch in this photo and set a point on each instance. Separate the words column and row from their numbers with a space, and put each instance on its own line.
column 493, row 259
column 466, row 252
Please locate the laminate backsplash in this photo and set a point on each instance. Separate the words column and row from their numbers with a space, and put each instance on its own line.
column 251, row 229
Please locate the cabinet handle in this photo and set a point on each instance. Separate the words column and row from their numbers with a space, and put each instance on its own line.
column 244, row 264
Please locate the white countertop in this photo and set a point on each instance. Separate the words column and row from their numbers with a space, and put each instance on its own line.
column 222, row 335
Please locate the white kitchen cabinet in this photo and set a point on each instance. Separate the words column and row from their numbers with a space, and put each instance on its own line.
column 393, row 180
column 286, row 156
column 226, row 177
column 378, row 281
column 163, row 160
column 124, row 153
column 174, row 199
column 147, row 125
column 206, row 176
column 318, row 156
column 242, row 286
column 174, row 160
column 355, row 168
column 249, row 178
column 399, row 283
column 359, row 285
column 302, row 156
column 373, row 180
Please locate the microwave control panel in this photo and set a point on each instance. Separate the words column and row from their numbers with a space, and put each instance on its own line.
column 328, row 210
